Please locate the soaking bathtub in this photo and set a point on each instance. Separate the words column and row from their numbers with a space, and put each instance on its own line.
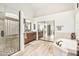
column 63, row 47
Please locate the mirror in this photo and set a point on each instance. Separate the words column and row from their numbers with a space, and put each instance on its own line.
column 27, row 25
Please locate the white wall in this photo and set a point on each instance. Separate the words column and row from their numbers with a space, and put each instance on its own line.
column 66, row 19
column 63, row 18
column 77, row 23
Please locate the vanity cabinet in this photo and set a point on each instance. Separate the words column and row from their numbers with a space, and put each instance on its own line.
column 30, row 36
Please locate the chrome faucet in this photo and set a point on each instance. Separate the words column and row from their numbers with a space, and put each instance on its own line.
column 58, row 43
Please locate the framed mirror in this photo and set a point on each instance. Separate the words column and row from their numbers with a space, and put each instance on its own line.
column 27, row 25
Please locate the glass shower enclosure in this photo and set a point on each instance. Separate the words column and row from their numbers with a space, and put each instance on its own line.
column 9, row 31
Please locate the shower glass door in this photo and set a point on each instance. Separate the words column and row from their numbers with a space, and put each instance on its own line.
column 2, row 40
column 9, row 31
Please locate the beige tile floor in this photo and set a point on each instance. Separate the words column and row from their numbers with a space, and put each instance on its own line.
column 38, row 48
column 43, row 48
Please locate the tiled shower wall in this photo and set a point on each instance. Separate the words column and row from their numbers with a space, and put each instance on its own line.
column 11, row 27
column 10, row 42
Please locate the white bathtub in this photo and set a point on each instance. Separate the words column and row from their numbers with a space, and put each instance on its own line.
column 66, row 45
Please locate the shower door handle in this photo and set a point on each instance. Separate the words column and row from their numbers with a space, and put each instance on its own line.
column 2, row 33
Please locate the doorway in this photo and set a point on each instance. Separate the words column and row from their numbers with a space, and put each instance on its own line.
column 46, row 30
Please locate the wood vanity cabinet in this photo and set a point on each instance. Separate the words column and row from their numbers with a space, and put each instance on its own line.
column 77, row 47
column 30, row 37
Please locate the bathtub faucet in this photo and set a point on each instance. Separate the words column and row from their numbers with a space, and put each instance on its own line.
column 58, row 43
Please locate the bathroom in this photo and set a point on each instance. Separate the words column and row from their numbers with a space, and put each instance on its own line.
column 59, row 27
column 49, row 24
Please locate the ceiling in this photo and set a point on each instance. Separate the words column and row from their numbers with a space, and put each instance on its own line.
column 40, row 9
column 50, row 8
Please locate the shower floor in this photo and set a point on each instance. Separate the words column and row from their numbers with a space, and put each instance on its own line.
column 9, row 47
